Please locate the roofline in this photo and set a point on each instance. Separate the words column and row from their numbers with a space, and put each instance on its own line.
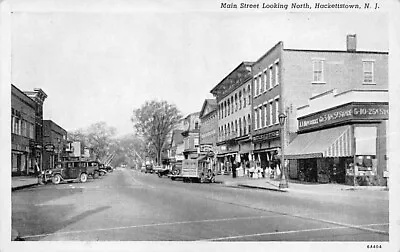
column 336, row 51
column 55, row 124
column 236, row 68
column 22, row 92
column 271, row 49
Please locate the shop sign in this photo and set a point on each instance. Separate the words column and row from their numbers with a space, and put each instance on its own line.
column 49, row 148
column 206, row 148
column 348, row 112
column 266, row 136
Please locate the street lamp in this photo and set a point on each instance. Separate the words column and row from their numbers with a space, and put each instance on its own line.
column 283, row 182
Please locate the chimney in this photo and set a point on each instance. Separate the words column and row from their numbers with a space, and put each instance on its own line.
column 351, row 42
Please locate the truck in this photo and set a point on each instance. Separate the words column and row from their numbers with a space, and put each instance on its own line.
column 196, row 170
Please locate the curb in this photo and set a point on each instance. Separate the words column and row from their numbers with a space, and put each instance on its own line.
column 262, row 188
column 22, row 187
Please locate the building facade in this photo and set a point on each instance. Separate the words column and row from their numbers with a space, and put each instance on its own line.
column 191, row 135
column 208, row 123
column 233, row 95
column 55, row 144
column 24, row 153
column 284, row 79
column 342, row 134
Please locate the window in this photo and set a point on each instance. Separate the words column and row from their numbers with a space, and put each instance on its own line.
column 265, row 80
column 236, row 128
column 232, row 104
column 276, row 111
column 261, row 85
column 244, row 125
column 368, row 72
column 318, row 70
column 236, row 103
column 265, row 115
column 229, row 107
column 196, row 125
column 255, row 119
column 249, row 92
column 240, row 100
column 260, row 110
column 249, row 124
column 270, row 113
column 256, row 86
column 277, row 73
column 196, row 142
column 240, row 126
column 270, row 77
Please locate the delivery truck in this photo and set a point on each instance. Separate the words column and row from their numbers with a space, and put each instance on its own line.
column 198, row 170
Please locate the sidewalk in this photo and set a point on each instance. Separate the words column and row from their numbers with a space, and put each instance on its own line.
column 294, row 186
column 23, row 182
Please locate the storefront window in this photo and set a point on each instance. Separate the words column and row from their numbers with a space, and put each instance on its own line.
column 365, row 140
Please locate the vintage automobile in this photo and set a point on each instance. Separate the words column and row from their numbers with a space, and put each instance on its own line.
column 102, row 170
column 72, row 171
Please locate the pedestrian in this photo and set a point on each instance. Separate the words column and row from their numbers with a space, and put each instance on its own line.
column 234, row 166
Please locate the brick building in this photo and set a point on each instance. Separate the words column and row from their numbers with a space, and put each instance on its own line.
column 23, row 137
column 285, row 79
column 55, row 144
column 233, row 95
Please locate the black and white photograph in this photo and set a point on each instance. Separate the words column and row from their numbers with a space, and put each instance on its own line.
column 199, row 125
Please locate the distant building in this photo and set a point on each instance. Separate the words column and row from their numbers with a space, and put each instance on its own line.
column 55, row 144
column 191, row 135
column 209, row 123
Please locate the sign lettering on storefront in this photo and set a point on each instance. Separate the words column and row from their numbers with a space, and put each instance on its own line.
column 348, row 112
column 266, row 136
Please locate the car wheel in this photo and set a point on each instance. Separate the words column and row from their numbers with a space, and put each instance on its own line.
column 56, row 179
column 83, row 177
column 213, row 179
column 202, row 178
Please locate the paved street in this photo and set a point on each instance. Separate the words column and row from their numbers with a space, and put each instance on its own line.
column 133, row 206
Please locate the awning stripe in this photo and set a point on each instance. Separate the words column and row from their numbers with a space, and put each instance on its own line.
column 333, row 142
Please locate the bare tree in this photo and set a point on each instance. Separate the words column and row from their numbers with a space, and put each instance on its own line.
column 98, row 137
column 153, row 121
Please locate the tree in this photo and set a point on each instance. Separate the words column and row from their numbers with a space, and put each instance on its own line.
column 153, row 121
column 98, row 137
column 127, row 149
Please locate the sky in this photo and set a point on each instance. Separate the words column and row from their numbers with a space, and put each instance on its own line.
column 99, row 60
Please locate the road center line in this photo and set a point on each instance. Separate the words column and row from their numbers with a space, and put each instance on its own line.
column 154, row 225
column 288, row 232
column 305, row 217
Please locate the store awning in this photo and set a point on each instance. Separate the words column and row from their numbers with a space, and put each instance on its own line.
column 334, row 142
column 200, row 158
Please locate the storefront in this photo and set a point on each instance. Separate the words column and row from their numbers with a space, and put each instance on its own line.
column 266, row 148
column 334, row 144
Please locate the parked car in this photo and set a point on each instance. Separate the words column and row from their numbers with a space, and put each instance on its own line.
column 102, row 170
column 149, row 168
column 143, row 168
column 71, row 171
column 109, row 169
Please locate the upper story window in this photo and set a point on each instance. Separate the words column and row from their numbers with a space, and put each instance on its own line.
column 276, row 73
column 260, row 84
column 318, row 70
column 277, row 110
column 265, row 80
column 270, row 76
column 196, row 125
column 256, row 86
column 368, row 72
